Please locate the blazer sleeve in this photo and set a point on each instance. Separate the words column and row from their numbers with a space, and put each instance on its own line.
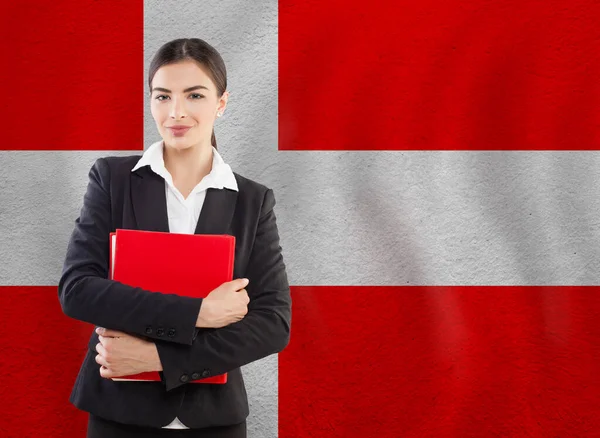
column 85, row 292
column 263, row 331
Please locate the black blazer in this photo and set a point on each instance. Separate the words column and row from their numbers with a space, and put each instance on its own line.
column 119, row 198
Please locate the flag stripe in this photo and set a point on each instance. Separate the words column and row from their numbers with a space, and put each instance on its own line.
column 431, row 75
column 383, row 218
column 41, row 353
column 443, row 218
column 73, row 76
column 38, row 212
column 245, row 34
column 417, row 361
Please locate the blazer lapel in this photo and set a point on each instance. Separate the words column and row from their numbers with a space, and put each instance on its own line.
column 150, row 205
column 149, row 200
column 217, row 212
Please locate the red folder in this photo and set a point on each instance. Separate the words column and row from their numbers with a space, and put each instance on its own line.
column 184, row 264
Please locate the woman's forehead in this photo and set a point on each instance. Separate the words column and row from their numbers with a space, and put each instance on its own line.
column 182, row 75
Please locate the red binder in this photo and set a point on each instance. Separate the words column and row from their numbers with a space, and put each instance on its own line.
column 184, row 264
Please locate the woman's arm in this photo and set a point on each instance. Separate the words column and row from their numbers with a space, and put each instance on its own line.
column 263, row 331
column 86, row 293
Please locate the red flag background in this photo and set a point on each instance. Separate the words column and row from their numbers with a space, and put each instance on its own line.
column 434, row 75
column 436, row 173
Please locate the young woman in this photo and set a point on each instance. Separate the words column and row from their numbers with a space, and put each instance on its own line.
column 181, row 185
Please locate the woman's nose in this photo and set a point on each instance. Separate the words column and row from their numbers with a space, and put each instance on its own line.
column 177, row 109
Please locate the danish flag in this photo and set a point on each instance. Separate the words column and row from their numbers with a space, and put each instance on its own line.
column 436, row 171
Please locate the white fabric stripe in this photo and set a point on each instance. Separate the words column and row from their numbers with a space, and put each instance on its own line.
column 41, row 194
column 384, row 218
column 439, row 218
column 245, row 33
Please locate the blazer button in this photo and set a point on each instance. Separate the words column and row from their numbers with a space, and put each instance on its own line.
column 148, row 330
column 160, row 331
column 205, row 373
column 184, row 378
column 195, row 376
column 171, row 333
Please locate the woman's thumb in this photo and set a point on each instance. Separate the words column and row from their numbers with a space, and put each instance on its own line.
column 240, row 283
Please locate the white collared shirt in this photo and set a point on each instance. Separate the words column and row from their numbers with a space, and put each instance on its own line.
column 183, row 212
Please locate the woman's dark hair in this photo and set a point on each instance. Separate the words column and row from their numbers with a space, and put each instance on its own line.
column 194, row 49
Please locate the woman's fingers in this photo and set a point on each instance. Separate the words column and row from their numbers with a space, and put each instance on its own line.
column 109, row 333
column 101, row 361
column 101, row 350
column 106, row 372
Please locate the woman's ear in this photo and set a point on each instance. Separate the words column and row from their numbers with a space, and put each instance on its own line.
column 222, row 104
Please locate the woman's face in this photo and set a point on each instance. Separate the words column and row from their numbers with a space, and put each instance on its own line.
column 183, row 94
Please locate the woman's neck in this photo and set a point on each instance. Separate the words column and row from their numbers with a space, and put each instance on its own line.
column 188, row 166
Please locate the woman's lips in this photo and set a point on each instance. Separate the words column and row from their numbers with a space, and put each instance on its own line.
column 179, row 132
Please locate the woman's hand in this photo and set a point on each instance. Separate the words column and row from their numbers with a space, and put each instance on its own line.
column 121, row 354
column 224, row 305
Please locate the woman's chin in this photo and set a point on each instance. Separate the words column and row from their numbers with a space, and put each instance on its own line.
column 178, row 143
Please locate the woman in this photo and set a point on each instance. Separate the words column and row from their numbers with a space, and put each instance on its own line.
column 183, row 338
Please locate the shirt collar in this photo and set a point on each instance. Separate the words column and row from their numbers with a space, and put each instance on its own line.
column 220, row 176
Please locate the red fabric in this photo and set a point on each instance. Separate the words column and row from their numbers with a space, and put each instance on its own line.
column 416, row 361
column 439, row 75
column 40, row 354
column 72, row 75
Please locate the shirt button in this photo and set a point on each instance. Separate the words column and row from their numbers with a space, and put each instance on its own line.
column 160, row 331
column 205, row 373
column 184, row 378
column 148, row 330
column 171, row 333
column 195, row 376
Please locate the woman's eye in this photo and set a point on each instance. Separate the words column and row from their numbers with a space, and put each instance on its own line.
column 194, row 96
